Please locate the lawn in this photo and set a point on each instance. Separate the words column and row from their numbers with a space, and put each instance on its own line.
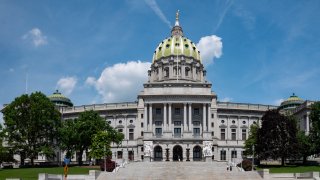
column 32, row 173
column 290, row 168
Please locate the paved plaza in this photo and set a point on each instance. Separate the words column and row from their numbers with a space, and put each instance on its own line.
column 179, row 170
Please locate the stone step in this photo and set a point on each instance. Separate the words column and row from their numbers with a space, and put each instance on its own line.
column 178, row 170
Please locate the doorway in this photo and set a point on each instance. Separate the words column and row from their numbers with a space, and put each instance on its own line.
column 177, row 153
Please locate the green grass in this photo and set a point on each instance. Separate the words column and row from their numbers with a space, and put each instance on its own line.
column 290, row 168
column 32, row 173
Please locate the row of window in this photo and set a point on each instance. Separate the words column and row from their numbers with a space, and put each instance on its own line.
column 131, row 133
column 223, row 154
column 233, row 122
column 233, row 134
column 177, row 111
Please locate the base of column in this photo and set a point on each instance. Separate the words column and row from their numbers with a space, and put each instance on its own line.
column 208, row 159
column 147, row 159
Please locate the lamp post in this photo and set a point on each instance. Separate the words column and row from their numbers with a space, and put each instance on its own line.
column 252, row 157
column 105, row 162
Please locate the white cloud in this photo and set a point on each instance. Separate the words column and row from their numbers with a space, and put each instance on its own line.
column 154, row 6
column 36, row 36
column 278, row 102
column 210, row 47
column 66, row 85
column 226, row 99
column 1, row 117
column 121, row 82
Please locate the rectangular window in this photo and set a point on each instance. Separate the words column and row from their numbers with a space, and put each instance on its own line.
column 234, row 154
column 212, row 124
column 223, row 134
column 212, row 133
column 158, row 123
column 141, row 133
column 131, row 134
column 158, row 131
column 120, row 130
column 244, row 134
column 223, row 155
column 142, row 124
column 196, row 123
column 196, row 131
column 176, row 111
column 196, row 111
column 177, row 123
column 141, row 116
column 142, row 149
column 233, row 134
column 177, row 132
column 158, row 111
column 212, row 115
column 119, row 154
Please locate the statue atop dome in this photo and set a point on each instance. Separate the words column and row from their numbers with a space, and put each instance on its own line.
column 177, row 18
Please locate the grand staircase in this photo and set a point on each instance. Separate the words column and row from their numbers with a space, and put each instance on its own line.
column 179, row 170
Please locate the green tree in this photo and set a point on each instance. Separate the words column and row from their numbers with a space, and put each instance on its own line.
column 277, row 137
column 252, row 139
column 304, row 145
column 315, row 128
column 31, row 123
column 76, row 136
column 102, row 141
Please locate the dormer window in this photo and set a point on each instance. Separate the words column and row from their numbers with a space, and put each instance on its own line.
column 177, row 44
column 159, row 48
column 194, row 48
column 168, row 45
column 186, row 45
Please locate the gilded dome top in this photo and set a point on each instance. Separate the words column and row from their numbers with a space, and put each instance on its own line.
column 59, row 99
column 176, row 45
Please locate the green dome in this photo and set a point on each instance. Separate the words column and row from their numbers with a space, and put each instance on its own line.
column 59, row 99
column 291, row 103
column 174, row 46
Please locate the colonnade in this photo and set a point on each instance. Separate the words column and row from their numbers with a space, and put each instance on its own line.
column 186, row 120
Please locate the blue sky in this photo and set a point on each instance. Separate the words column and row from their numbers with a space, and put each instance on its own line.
column 99, row 51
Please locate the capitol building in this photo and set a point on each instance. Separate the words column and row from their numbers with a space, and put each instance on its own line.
column 177, row 115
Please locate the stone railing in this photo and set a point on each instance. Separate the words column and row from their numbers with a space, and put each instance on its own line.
column 243, row 106
column 99, row 107
column 93, row 175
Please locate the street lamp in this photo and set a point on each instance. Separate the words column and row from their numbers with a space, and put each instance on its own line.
column 105, row 163
column 252, row 157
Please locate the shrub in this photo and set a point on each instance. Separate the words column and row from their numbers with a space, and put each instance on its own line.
column 110, row 165
column 246, row 165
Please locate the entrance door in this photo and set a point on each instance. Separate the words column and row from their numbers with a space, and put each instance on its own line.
column 158, row 153
column 177, row 153
column 197, row 153
column 131, row 155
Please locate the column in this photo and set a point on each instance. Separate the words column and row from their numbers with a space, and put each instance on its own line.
column 307, row 124
column 170, row 116
column 209, row 118
column 185, row 117
column 160, row 73
column 204, row 118
column 190, row 119
column 164, row 125
column 150, row 118
column 145, row 118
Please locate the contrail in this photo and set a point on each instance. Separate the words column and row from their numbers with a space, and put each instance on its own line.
column 154, row 6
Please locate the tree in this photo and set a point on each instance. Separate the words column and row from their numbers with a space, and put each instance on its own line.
column 277, row 137
column 31, row 123
column 315, row 128
column 5, row 154
column 77, row 135
column 102, row 140
column 304, row 145
column 252, row 139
